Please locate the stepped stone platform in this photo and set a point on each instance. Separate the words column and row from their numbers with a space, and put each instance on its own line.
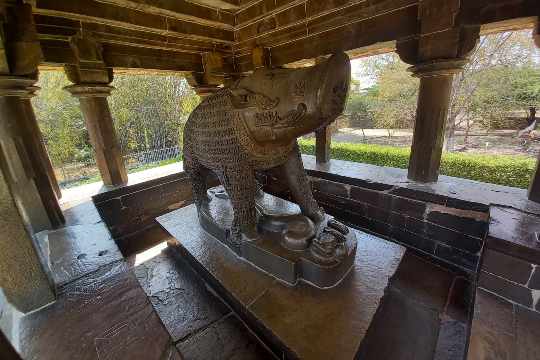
column 387, row 295
column 154, row 305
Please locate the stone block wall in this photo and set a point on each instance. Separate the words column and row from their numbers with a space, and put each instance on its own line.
column 448, row 229
column 130, row 209
column 510, row 265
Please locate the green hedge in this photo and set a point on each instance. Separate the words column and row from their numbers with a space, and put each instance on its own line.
column 496, row 169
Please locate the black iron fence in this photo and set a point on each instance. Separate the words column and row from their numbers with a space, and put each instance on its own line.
column 78, row 173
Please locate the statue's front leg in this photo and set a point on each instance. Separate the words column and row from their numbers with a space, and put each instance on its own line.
column 240, row 184
column 296, row 177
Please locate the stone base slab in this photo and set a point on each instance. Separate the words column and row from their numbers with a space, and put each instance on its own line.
column 296, row 322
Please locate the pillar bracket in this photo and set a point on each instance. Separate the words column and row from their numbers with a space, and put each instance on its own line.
column 18, row 86
column 89, row 90
column 442, row 67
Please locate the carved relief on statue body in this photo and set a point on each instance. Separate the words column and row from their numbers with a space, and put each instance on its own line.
column 252, row 127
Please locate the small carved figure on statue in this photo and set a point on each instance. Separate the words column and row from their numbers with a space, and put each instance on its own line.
column 250, row 128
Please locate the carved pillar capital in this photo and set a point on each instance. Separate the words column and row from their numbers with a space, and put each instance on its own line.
column 90, row 67
column 443, row 67
column 18, row 86
column 89, row 90
column 21, row 41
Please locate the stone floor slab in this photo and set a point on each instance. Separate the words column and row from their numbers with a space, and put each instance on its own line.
column 227, row 338
column 306, row 322
column 75, row 251
column 431, row 289
column 105, row 315
column 401, row 330
column 178, row 295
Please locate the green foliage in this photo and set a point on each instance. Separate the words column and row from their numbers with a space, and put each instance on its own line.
column 359, row 108
column 502, row 169
column 150, row 110
column 502, row 89
column 395, row 104
column 60, row 119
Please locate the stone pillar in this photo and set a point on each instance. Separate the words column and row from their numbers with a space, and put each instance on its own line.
column 438, row 52
column 25, row 283
column 534, row 186
column 100, row 126
column 323, row 138
column 431, row 113
column 24, row 147
column 91, row 78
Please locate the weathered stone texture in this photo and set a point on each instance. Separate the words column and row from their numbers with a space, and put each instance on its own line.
column 21, row 275
column 182, row 302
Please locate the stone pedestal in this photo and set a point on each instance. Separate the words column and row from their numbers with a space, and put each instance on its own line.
column 30, row 172
column 297, row 322
column 100, row 126
column 433, row 103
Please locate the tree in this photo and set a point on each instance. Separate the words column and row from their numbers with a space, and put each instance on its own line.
column 60, row 119
column 392, row 100
column 499, row 77
column 150, row 110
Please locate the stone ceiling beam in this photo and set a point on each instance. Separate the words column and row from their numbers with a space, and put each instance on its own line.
column 180, row 10
column 106, row 14
column 228, row 5
column 51, row 28
column 297, row 22
column 400, row 24
column 58, row 52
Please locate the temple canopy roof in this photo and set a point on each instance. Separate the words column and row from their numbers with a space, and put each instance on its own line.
column 175, row 34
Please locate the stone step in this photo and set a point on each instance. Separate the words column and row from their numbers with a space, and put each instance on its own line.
column 72, row 252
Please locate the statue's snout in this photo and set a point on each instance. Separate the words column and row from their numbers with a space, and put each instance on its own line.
column 335, row 86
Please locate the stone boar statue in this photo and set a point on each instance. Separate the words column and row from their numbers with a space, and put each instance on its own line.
column 253, row 125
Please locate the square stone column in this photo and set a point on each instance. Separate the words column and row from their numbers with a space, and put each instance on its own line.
column 29, row 170
column 100, row 126
column 431, row 113
column 323, row 139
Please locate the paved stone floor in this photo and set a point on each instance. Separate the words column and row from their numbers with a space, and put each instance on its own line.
column 151, row 305
column 502, row 330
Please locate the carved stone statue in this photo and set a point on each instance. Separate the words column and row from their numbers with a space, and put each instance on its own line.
column 251, row 127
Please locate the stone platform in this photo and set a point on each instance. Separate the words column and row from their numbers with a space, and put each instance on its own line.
column 296, row 322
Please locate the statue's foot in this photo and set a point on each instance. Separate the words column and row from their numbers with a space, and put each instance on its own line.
column 329, row 246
